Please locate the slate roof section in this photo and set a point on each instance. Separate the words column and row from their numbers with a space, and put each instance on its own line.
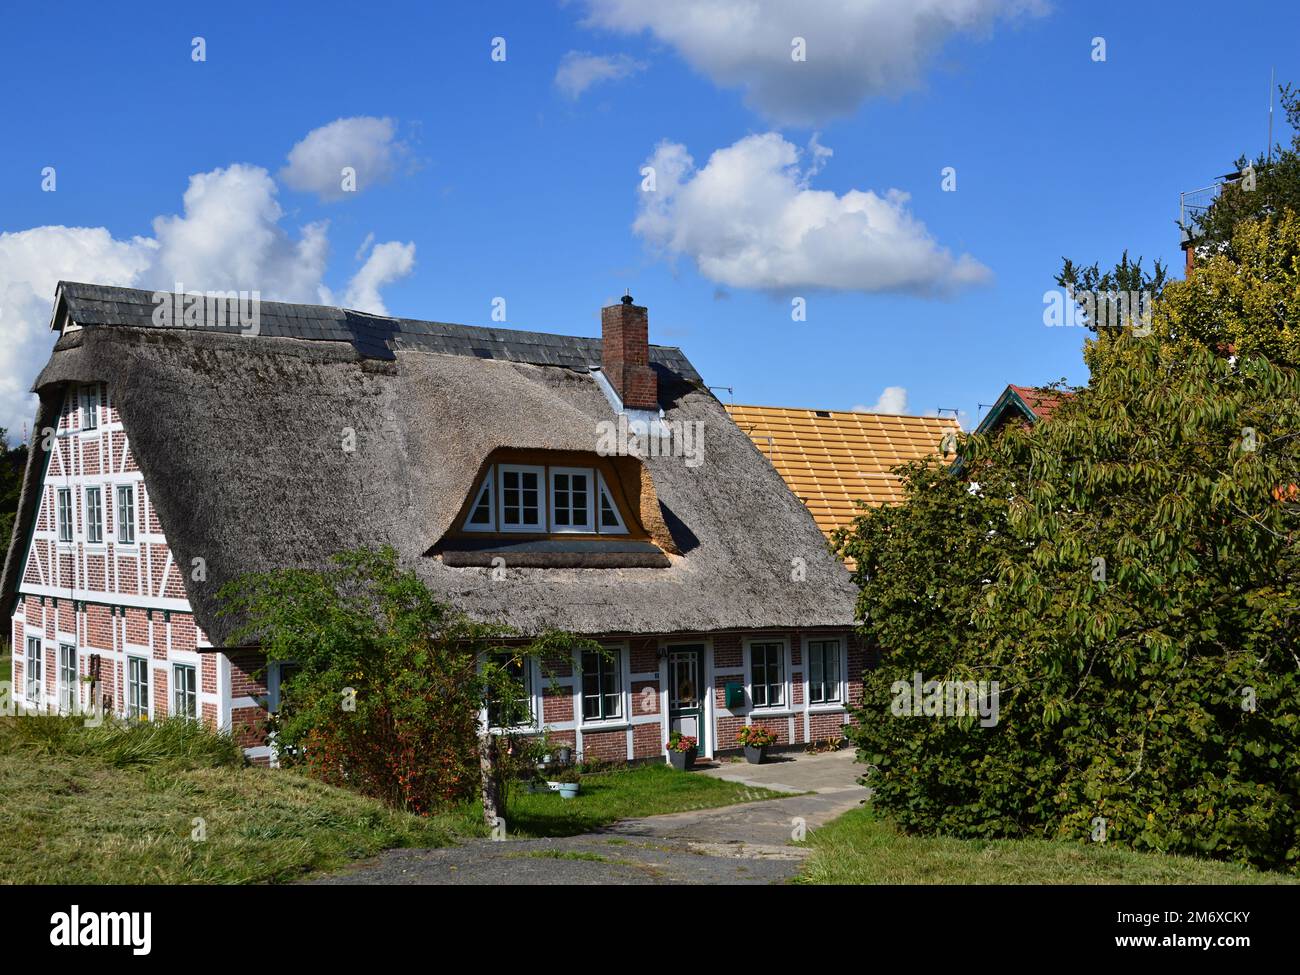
column 832, row 459
column 372, row 336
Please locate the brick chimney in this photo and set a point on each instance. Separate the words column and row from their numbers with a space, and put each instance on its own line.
column 625, row 354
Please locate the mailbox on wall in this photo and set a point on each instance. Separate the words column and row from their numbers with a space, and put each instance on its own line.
column 734, row 692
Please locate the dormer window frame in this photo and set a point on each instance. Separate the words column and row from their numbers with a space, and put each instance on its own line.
column 588, row 524
column 487, row 492
column 602, row 494
column 538, row 527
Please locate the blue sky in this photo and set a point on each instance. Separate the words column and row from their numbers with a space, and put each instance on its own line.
column 498, row 182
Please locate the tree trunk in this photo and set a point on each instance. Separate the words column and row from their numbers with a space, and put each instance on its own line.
column 491, row 780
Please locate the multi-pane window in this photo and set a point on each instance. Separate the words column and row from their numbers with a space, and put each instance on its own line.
column 823, row 671
column 67, row 678
column 137, row 688
column 33, row 668
column 511, row 707
column 518, row 498
column 570, row 500
column 522, row 503
column 185, row 692
column 90, row 408
column 126, row 514
column 64, row 497
column 767, row 674
column 602, row 686
column 94, row 516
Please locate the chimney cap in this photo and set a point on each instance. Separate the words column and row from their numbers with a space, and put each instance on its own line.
column 627, row 297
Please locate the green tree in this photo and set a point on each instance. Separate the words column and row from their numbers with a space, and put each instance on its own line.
column 390, row 684
column 1129, row 573
column 12, row 462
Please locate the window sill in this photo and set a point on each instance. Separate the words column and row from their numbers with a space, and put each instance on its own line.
column 618, row 724
column 826, row 708
column 777, row 712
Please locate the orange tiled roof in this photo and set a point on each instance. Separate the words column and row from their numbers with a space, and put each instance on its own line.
column 830, row 458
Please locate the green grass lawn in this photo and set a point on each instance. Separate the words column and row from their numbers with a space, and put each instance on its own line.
column 862, row 848
column 118, row 806
column 647, row 790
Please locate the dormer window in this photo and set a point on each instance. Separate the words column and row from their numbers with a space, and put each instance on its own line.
column 543, row 500
column 523, row 498
column 571, row 500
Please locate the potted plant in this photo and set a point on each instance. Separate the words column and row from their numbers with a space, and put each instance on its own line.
column 566, row 782
column 682, row 751
column 755, row 739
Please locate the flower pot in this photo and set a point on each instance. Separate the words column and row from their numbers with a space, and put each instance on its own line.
column 564, row 754
column 755, row 754
column 568, row 790
column 683, row 760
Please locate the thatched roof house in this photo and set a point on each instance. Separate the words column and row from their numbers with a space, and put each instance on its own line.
column 482, row 455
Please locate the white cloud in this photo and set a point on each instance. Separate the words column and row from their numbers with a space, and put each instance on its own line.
column 892, row 400
column 855, row 49
column 387, row 263
column 749, row 220
column 365, row 144
column 579, row 70
column 228, row 237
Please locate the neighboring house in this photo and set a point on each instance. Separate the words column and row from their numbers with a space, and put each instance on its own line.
column 832, row 459
column 1024, row 404
column 179, row 458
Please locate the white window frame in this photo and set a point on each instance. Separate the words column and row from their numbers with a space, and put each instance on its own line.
column 33, row 669
column 95, row 523
column 602, row 490
column 123, row 522
column 63, row 522
column 67, row 690
column 588, row 527
column 89, row 402
column 531, row 695
column 178, row 665
column 619, row 665
column 537, row 528
column 783, row 706
column 841, row 687
column 488, row 488
column 132, row 706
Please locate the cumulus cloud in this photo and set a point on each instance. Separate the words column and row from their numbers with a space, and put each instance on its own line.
column 387, row 263
column 579, row 70
column 229, row 236
column 749, row 219
column 366, row 145
column 854, row 49
column 892, row 400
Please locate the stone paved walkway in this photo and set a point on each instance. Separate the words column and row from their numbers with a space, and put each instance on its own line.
column 744, row 844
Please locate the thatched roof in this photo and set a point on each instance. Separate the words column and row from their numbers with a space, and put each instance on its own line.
column 240, row 442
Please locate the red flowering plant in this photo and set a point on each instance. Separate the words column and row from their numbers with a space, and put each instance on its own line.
column 678, row 742
column 755, row 736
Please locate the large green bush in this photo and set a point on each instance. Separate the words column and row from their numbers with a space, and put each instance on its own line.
column 1157, row 691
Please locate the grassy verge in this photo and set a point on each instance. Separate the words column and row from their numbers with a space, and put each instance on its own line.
column 120, row 804
column 648, row 790
column 861, row 848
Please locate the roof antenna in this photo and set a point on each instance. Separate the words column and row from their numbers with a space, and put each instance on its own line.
column 730, row 392
column 1270, row 114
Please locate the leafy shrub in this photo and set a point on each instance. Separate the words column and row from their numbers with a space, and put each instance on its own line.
column 390, row 682
column 1155, row 694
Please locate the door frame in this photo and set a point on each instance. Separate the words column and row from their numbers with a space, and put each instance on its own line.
column 708, row 725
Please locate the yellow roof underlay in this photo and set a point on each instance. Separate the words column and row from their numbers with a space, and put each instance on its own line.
column 831, row 458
